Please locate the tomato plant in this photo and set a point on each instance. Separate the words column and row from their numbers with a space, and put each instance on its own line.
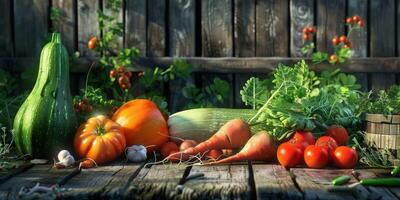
column 345, row 157
column 316, row 156
column 289, row 155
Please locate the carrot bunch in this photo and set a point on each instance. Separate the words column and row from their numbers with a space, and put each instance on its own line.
column 234, row 134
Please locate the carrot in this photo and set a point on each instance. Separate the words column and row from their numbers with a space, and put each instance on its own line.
column 233, row 134
column 214, row 154
column 259, row 147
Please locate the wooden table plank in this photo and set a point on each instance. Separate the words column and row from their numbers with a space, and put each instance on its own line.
column 274, row 182
column 382, row 193
column 313, row 183
column 157, row 182
column 219, row 182
column 43, row 174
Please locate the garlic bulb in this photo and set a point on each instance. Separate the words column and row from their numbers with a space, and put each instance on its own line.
column 68, row 161
column 62, row 154
column 136, row 153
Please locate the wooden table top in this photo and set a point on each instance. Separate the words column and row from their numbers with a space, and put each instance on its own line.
column 174, row 181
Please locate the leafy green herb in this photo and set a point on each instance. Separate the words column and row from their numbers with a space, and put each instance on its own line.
column 371, row 155
column 255, row 92
column 386, row 102
column 209, row 96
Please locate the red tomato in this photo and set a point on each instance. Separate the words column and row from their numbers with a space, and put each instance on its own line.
column 333, row 58
column 305, row 30
column 306, row 37
column 360, row 23
column 187, row 144
column 343, row 38
column 356, row 18
column 311, row 29
column 304, row 136
column 335, row 41
column 113, row 73
column 316, row 157
column 328, row 143
column 167, row 148
column 289, row 155
column 339, row 134
column 302, row 144
column 345, row 157
column 349, row 20
column 92, row 43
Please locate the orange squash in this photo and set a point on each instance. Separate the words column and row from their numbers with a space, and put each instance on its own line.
column 99, row 139
column 142, row 123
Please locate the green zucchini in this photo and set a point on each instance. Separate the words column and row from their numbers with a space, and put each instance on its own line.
column 199, row 124
column 46, row 121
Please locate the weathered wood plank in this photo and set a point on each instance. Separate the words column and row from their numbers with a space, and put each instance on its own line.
column 216, row 26
column 156, row 30
column 87, row 24
column 274, row 182
column 6, row 37
column 301, row 15
column 244, row 25
column 381, row 81
column 382, row 32
column 67, row 23
column 359, row 37
column 20, row 167
column 313, row 183
column 376, row 192
column 135, row 25
column 119, row 41
column 181, row 43
column 330, row 20
column 182, row 27
column 158, row 182
column 30, row 26
column 362, row 79
column 43, row 174
column 272, row 32
column 219, row 182
column 227, row 64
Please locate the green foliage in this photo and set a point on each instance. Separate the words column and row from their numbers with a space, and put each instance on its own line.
column 55, row 14
column 386, row 102
column 255, row 92
column 299, row 98
column 370, row 155
column 319, row 57
column 209, row 96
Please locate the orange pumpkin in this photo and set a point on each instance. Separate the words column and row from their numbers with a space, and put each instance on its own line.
column 142, row 123
column 99, row 139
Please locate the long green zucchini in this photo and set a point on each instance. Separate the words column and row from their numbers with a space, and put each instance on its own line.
column 199, row 124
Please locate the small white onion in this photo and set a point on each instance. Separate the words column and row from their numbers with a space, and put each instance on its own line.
column 68, row 161
column 136, row 153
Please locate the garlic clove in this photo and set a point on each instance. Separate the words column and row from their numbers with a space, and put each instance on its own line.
column 62, row 154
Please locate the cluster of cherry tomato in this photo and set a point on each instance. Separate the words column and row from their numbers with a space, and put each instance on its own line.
column 329, row 148
column 308, row 32
column 83, row 106
column 123, row 77
column 355, row 20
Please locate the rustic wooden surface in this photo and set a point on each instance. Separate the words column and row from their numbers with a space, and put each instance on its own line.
column 189, row 28
column 172, row 181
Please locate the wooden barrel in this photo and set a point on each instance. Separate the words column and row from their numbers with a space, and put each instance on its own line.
column 383, row 132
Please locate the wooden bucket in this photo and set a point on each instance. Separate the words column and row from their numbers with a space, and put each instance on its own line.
column 384, row 132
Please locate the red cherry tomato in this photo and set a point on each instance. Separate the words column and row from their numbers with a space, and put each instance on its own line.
column 289, row 155
column 345, row 157
column 349, row 20
column 360, row 23
column 113, row 73
column 302, row 144
column 335, row 41
column 339, row 134
column 306, row 37
column 128, row 74
column 167, row 148
column 301, row 135
column 305, row 30
column 327, row 142
column 343, row 38
column 356, row 18
column 311, row 29
column 92, row 43
column 316, row 157
column 123, row 80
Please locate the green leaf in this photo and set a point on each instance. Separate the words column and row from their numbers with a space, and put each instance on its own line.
column 255, row 92
column 319, row 57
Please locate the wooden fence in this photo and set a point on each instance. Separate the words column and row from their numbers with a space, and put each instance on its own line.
column 265, row 31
